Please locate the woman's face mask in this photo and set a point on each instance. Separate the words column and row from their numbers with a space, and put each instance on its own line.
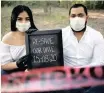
column 23, row 22
column 22, row 27
column 77, row 23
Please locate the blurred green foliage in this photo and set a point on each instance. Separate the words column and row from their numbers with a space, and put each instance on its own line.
column 94, row 4
column 48, row 14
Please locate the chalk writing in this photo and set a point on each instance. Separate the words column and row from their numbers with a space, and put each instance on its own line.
column 46, row 49
column 43, row 40
column 45, row 58
column 49, row 49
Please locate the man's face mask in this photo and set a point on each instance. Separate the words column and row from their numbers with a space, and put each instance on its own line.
column 22, row 27
column 77, row 23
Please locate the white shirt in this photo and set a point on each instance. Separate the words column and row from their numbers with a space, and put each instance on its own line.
column 11, row 53
column 79, row 53
column 98, row 55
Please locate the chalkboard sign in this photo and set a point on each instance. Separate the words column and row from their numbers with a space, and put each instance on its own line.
column 46, row 48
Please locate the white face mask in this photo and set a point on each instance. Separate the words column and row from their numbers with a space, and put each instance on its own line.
column 22, row 27
column 77, row 23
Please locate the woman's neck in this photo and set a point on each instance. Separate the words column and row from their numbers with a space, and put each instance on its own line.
column 20, row 33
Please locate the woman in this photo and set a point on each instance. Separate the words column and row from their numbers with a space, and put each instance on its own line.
column 12, row 48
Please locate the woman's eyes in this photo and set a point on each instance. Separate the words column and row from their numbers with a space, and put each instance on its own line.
column 21, row 19
column 73, row 16
column 27, row 19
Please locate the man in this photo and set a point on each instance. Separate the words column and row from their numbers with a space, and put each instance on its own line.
column 80, row 40
column 82, row 45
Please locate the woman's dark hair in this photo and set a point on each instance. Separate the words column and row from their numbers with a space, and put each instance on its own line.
column 16, row 11
column 78, row 5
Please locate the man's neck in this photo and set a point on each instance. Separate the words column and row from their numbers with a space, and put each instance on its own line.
column 78, row 35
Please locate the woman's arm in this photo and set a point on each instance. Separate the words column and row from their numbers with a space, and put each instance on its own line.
column 20, row 63
column 9, row 66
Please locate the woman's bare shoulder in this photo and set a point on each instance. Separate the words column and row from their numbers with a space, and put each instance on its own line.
column 8, row 38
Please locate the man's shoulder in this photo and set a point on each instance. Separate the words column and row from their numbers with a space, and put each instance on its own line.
column 90, row 29
column 66, row 29
column 94, row 32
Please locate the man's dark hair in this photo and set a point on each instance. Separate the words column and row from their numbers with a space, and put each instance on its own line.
column 78, row 5
column 16, row 11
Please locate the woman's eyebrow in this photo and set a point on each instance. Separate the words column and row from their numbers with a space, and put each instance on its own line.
column 27, row 17
column 19, row 17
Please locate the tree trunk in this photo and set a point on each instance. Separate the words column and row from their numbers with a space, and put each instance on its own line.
column 45, row 6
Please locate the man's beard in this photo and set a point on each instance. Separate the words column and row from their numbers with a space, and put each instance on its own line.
column 84, row 29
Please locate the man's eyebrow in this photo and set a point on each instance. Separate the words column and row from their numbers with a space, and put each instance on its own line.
column 80, row 14
column 73, row 14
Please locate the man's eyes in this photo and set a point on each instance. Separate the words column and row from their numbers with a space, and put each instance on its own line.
column 73, row 16
column 79, row 15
